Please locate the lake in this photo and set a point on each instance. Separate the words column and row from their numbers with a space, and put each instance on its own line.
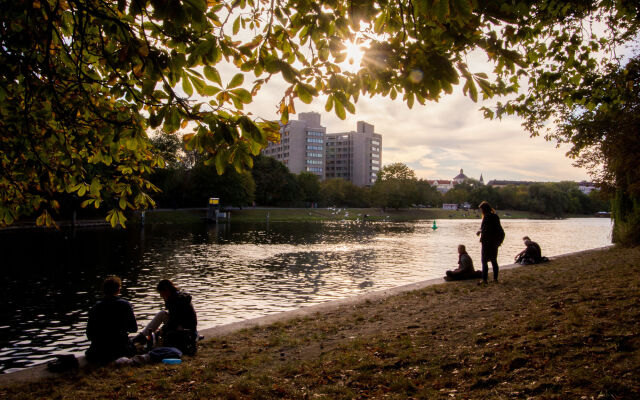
column 233, row 272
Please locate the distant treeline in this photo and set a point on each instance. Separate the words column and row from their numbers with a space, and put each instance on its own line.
column 270, row 183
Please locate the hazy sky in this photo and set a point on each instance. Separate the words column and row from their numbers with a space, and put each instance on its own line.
column 438, row 139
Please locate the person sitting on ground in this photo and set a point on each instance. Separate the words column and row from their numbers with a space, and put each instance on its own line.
column 532, row 254
column 465, row 267
column 109, row 324
column 177, row 323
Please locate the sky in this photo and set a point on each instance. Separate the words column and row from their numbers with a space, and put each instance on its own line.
column 438, row 139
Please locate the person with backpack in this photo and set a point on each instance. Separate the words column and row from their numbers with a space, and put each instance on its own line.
column 491, row 236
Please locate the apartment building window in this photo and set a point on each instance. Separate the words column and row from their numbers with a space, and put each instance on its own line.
column 376, row 142
column 314, row 162
column 314, row 133
column 309, row 154
column 375, row 168
column 375, row 148
column 313, row 140
column 312, row 147
column 314, row 169
column 374, row 155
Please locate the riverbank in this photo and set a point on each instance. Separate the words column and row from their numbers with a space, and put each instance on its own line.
column 326, row 214
column 251, row 215
column 542, row 332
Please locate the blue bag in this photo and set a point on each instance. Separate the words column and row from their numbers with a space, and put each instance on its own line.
column 160, row 353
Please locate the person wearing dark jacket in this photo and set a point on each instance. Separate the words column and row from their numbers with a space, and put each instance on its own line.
column 465, row 268
column 110, row 321
column 532, row 254
column 178, row 323
column 491, row 236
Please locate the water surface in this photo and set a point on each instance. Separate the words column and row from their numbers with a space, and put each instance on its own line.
column 233, row 272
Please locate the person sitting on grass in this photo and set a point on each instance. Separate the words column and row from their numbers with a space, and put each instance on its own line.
column 465, row 268
column 175, row 326
column 532, row 254
column 109, row 324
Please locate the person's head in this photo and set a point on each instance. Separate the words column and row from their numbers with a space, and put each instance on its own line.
column 526, row 239
column 486, row 208
column 461, row 249
column 111, row 286
column 166, row 288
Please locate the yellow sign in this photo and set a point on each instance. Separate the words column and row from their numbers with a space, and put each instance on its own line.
column 214, row 200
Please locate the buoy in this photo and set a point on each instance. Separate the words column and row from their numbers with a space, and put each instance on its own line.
column 434, row 227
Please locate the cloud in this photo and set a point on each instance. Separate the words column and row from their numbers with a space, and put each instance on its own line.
column 439, row 138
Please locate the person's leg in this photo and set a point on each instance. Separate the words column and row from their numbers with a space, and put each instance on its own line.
column 484, row 260
column 494, row 264
column 160, row 318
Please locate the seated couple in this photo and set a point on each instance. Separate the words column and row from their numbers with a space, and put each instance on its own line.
column 465, row 267
column 532, row 254
column 112, row 319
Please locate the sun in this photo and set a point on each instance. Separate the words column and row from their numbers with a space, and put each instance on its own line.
column 355, row 52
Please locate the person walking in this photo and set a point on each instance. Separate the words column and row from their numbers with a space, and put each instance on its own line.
column 491, row 236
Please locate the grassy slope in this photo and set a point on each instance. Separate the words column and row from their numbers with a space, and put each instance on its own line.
column 566, row 329
column 321, row 214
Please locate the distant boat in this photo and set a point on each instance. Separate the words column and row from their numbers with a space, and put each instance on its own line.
column 434, row 227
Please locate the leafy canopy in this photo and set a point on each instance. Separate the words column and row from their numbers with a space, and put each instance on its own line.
column 82, row 80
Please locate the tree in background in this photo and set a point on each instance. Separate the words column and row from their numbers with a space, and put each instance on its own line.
column 275, row 185
column 309, row 184
column 396, row 187
column 427, row 195
column 342, row 193
column 232, row 187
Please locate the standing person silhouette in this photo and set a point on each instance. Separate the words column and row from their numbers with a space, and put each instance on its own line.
column 491, row 236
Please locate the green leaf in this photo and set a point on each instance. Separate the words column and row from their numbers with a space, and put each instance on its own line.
column 329, row 104
column 186, row 85
column 236, row 26
column 243, row 95
column 237, row 80
column 303, row 93
column 339, row 109
column 212, row 74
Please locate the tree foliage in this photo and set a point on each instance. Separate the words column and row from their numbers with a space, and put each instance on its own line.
column 83, row 80
column 604, row 136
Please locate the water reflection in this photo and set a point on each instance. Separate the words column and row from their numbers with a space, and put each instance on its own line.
column 233, row 272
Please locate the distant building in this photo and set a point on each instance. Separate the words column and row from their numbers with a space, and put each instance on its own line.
column 302, row 145
column 587, row 187
column 354, row 156
column 449, row 206
column 442, row 185
column 481, row 180
column 461, row 177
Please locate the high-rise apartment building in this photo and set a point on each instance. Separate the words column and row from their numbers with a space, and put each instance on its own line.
column 354, row 156
column 302, row 145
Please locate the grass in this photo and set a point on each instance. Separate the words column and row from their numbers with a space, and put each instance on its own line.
column 566, row 329
column 322, row 214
